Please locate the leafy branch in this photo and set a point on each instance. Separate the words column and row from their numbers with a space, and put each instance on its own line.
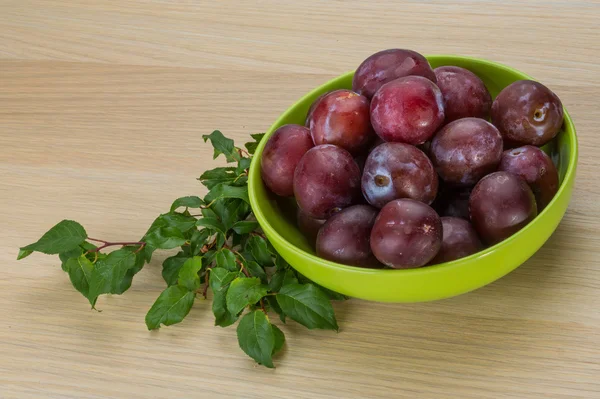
column 221, row 248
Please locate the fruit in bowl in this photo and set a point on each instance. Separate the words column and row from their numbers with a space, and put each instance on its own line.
column 450, row 200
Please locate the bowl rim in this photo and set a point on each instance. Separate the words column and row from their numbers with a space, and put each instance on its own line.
column 255, row 178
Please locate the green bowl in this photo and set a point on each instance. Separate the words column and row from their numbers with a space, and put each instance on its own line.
column 427, row 283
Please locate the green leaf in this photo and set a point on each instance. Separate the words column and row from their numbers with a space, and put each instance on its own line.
column 275, row 307
column 251, row 147
column 198, row 240
column 63, row 237
column 307, row 305
column 256, row 337
column 80, row 272
column 171, row 267
column 231, row 211
column 260, row 251
column 279, row 339
column 245, row 226
column 211, row 223
column 243, row 165
column 23, row 253
column 179, row 221
column 171, row 307
column 222, row 145
column 212, row 177
column 257, row 271
column 280, row 263
column 165, row 238
column 189, row 202
column 220, row 278
column 244, row 291
column 109, row 272
column 188, row 274
column 281, row 278
column 223, row 318
column 225, row 191
column 226, row 259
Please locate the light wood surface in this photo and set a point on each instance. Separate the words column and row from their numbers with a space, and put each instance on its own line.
column 102, row 108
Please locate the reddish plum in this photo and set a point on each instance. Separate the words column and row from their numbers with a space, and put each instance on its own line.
column 387, row 65
column 342, row 118
column 406, row 234
column 345, row 237
column 326, row 180
column 465, row 95
column 465, row 150
column 407, row 110
column 398, row 170
column 281, row 155
column 536, row 168
column 527, row 112
column 500, row 205
column 459, row 240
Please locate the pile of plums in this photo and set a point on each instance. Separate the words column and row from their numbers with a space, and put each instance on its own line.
column 405, row 170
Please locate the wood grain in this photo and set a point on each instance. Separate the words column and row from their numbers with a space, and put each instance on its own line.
column 102, row 108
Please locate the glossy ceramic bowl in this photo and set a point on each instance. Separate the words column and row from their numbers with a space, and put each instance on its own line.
column 277, row 217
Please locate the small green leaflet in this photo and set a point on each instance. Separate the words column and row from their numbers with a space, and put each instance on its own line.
column 256, row 337
column 226, row 259
column 212, row 177
column 219, row 307
column 225, row 191
column 109, row 272
column 198, row 240
column 245, row 226
column 222, row 145
column 257, row 271
column 272, row 301
column 211, row 223
column 188, row 202
column 244, row 291
column 171, row 267
column 231, row 211
column 188, row 274
column 172, row 305
column 281, row 278
column 259, row 249
column 220, row 278
column 165, row 238
column 251, row 147
column 279, row 339
column 243, row 165
column 307, row 305
column 80, row 272
column 63, row 237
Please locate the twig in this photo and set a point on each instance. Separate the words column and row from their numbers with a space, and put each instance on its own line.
column 206, row 278
column 110, row 244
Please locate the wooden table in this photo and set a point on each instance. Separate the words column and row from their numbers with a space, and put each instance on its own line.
column 102, row 108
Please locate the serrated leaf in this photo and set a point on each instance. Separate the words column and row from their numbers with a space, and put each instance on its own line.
column 259, row 249
column 219, row 307
column 165, row 238
column 109, row 272
column 188, row 274
column 212, row 177
column 243, row 165
column 244, row 291
column 64, row 236
column 222, row 145
column 280, row 278
column 276, row 308
column 222, row 190
column 256, row 337
column 80, row 273
column 257, row 271
column 279, row 339
column 179, row 221
column 211, row 223
column 245, row 226
column 220, row 278
column 189, row 202
column 171, row 307
column 231, row 211
column 171, row 267
column 226, row 259
column 307, row 305
column 251, row 146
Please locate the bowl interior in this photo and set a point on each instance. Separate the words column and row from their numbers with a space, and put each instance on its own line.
column 277, row 216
